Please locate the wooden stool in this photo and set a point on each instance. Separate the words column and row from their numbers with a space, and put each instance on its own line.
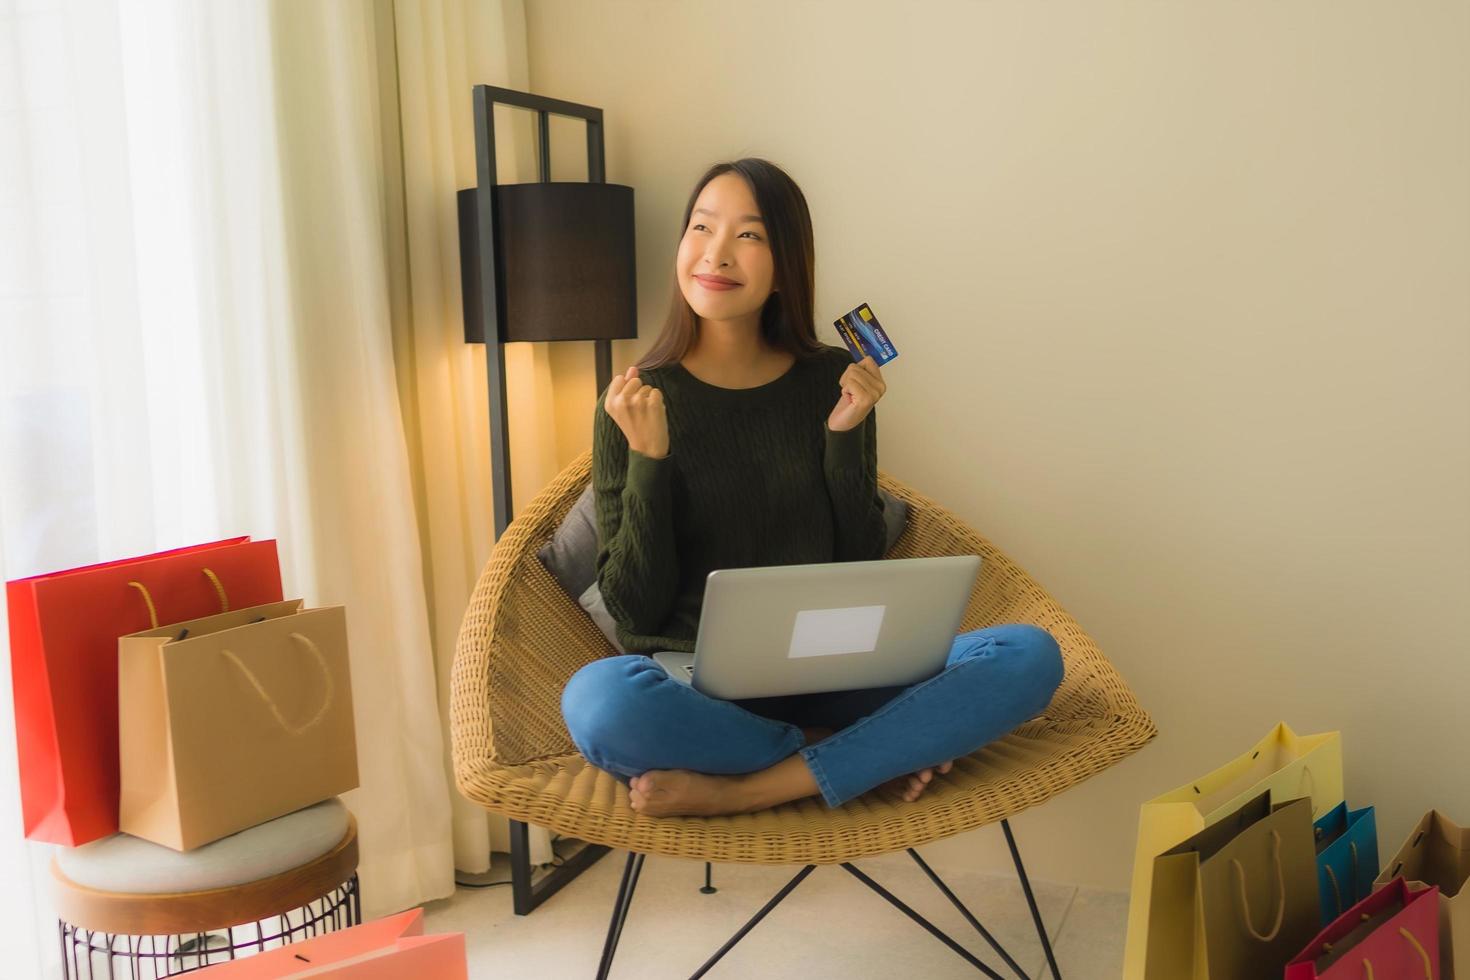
column 151, row 908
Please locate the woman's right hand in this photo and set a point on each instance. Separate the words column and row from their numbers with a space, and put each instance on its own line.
column 638, row 409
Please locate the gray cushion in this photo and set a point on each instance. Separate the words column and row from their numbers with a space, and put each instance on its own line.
column 591, row 601
column 895, row 518
column 571, row 554
column 133, row 866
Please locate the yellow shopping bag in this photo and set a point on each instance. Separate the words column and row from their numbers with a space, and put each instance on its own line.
column 1288, row 765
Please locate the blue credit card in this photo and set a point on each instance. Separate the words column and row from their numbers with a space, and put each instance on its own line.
column 864, row 335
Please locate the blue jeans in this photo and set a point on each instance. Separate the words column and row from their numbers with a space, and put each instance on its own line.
column 627, row 716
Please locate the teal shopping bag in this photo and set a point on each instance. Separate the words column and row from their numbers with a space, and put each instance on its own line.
column 1347, row 858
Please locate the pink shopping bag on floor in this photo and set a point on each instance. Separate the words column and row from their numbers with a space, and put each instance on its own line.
column 384, row 949
column 1393, row 933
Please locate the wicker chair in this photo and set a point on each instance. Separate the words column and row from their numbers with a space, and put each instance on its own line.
column 523, row 637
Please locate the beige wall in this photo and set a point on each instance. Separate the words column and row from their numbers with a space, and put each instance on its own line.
column 1182, row 299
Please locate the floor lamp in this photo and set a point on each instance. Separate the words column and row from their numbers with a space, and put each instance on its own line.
column 542, row 261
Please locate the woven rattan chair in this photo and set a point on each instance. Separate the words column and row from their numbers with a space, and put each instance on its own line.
column 523, row 637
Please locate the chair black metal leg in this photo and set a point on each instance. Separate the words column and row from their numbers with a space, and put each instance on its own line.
column 1051, row 959
column 932, row 929
column 708, row 888
column 786, row 890
column 634, row 868
column 620, row 912
column 526, row 896
column 999, row 949
column 627, row 902
column 612, row 926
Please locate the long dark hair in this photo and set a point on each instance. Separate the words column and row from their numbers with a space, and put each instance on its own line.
column 787, row 320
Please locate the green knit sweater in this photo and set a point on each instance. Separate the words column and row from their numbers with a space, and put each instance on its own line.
column 753, row 477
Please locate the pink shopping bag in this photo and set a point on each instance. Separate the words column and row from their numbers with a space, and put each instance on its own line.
column 1393, row 933
column 384, row 949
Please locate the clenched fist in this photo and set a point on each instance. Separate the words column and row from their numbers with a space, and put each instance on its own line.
column 638, row 409
column 862, row 386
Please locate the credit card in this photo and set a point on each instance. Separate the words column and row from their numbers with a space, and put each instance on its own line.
column 864, row 335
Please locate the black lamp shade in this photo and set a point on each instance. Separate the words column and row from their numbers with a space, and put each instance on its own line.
column 563, row 262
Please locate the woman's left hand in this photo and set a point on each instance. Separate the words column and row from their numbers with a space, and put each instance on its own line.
column 862, row 386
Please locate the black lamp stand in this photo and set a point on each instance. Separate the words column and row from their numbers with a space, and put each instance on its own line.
column 541, row 262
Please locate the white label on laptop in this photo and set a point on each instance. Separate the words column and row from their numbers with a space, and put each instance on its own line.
column 824, row 632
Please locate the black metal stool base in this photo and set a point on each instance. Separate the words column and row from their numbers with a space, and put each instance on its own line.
column 635, row 866
column 91, row 955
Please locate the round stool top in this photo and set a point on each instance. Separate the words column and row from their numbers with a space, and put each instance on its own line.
column 131, row 865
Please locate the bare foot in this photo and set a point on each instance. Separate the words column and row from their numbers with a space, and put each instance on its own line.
column 911, row 786
column 683, row 792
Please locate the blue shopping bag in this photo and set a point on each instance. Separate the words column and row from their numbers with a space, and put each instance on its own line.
column 1347, row 858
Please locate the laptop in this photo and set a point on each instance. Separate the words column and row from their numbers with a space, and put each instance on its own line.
column 833, row 626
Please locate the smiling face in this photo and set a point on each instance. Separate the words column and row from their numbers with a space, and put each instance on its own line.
column 723, row 242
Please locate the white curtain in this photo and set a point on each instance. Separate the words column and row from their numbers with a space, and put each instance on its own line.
column 442, row 50
column 229, row 304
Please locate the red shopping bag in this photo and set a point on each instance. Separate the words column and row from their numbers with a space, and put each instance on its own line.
column 64, row 628
column 1393, row 933
column 384, row 949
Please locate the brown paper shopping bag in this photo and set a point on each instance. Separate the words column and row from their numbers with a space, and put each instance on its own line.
column 232, row 720
column 1285, row 763
column 1239, row 899
column 1437, row 852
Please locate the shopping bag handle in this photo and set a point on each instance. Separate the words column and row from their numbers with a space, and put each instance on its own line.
column 219, row 589
column 1306, row 777
column 1245, row 907
column 321, row 662
column 1332, row 877
column 1428, row 967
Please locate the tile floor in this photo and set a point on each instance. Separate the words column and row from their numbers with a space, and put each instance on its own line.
column 831, row 925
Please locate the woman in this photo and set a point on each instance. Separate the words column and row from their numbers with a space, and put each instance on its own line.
column 740, row 440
